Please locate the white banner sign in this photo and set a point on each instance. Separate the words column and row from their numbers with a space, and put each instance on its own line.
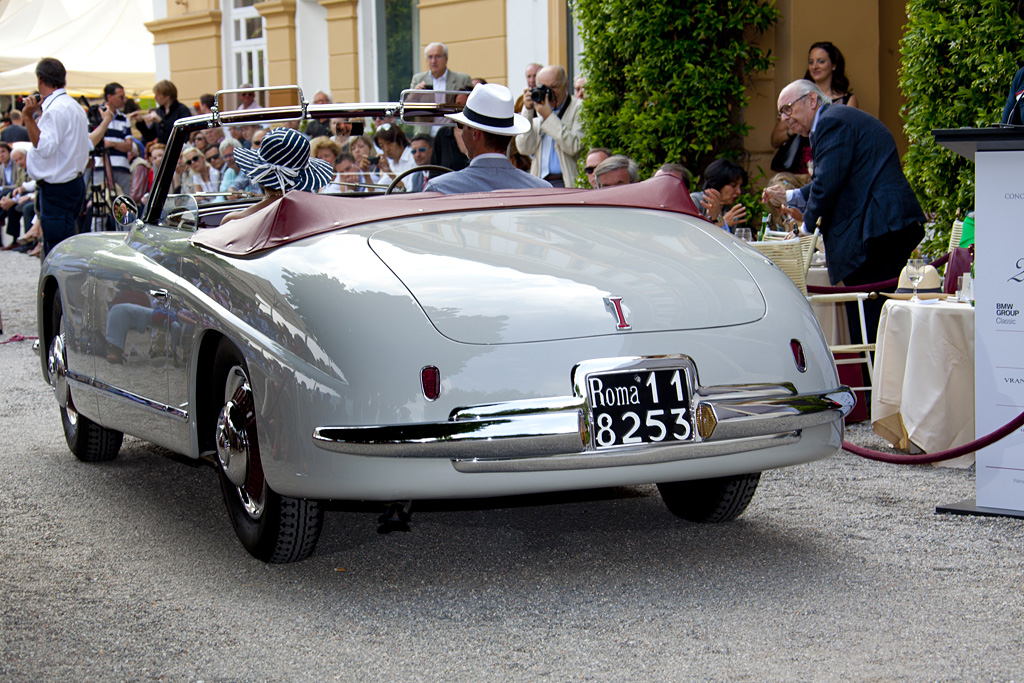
column 999, row 325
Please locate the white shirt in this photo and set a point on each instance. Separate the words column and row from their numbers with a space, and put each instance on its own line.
column 440, row 84
column 404, row 163
column 63, row 149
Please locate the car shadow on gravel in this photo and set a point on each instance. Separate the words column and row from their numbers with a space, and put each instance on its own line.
column 174, row 499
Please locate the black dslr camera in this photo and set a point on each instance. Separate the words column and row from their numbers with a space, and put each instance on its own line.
column 541, row 93
column 95, row 116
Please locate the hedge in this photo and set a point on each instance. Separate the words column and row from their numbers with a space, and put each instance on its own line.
column 958, row 59
column 666, row 79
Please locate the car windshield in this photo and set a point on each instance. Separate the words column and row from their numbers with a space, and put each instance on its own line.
column 180, row 211
column 198, row 165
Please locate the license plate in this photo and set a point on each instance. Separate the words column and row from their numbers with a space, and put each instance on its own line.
column 639, row 407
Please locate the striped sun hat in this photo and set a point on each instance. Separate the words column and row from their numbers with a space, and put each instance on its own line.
column 282, row 163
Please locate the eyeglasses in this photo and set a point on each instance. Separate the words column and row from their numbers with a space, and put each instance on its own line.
column 589, row 169
column 459, row 125
column 420, row 150
column 192, row 160
column 787, row 109
column 213, row 157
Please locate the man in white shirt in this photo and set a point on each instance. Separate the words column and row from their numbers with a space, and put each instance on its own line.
column 247, row 99
column 438, row 76
column 59, row 154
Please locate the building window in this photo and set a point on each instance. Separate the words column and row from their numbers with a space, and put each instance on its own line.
column 398, row 49
column 248, row 60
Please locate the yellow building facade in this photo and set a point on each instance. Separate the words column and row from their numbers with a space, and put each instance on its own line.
column 364, row 49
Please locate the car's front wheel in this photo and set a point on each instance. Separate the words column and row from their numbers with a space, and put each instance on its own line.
column 87, row 440
column 272, row 527
column 710, row 500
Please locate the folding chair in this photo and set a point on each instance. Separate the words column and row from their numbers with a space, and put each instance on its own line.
column 794, row 258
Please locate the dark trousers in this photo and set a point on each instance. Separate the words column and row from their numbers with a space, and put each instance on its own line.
column 886, row 257
column 59, row 207
column 11, row 217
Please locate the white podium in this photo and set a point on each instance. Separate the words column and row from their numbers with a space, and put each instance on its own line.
column 998, row 155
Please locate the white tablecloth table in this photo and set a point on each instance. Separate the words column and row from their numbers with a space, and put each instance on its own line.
column 831, row 317
column 923, row 382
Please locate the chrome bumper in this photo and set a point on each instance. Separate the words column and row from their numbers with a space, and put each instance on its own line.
column 554, row 434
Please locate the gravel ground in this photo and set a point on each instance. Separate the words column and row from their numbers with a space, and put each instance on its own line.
column 839, row 570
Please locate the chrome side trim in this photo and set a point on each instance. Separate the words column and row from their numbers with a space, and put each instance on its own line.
column 127, row 396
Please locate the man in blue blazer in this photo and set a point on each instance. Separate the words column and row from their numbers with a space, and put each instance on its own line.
column 487, row 123
column 1011, row 110
column 870, row 218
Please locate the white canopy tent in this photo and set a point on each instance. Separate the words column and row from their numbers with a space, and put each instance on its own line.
column 98, row 41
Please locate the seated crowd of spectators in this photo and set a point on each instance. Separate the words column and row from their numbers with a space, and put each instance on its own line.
column 132, row 142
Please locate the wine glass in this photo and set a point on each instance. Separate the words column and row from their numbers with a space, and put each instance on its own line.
column 915, row 273
column 745, row 234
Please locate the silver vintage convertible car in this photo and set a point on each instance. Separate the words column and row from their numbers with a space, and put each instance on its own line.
column 419, row 346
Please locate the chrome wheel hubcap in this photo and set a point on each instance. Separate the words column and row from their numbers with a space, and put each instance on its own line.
column 57, row 369
column 234, row 450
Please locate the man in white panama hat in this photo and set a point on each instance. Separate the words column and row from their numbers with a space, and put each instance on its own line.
column 281, row 163
column 488, row 122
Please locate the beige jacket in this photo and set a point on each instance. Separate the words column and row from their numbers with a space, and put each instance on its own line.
column 567, row 133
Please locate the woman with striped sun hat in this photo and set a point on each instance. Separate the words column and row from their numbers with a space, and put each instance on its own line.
column 282, row 163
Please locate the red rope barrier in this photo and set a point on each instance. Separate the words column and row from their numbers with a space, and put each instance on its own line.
column 948, row 454
column 17, row 338
column 873, row 287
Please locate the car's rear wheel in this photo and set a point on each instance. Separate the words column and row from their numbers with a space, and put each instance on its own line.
column 710, row 500
column 272, row 527
column 87, row 440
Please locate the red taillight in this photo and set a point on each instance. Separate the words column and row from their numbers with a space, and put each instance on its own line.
column 798, row 354
column 430, row 378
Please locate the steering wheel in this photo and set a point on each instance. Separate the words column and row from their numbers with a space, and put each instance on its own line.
column 410, row 171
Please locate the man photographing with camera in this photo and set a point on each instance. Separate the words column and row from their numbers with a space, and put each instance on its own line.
column 111, row 136
column 555, row 128
column 59, row 154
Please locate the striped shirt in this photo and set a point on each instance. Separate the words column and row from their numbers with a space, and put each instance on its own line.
column 118, row 130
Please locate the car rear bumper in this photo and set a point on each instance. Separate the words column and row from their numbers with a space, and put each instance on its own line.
column 554, row 434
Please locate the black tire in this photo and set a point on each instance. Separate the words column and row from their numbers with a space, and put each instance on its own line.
column 710, row 500
column 87, row 440
column 273, row 528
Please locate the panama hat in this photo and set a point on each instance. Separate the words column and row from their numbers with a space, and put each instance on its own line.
column 491, row 108
column 282, row 163
column 930, row 286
